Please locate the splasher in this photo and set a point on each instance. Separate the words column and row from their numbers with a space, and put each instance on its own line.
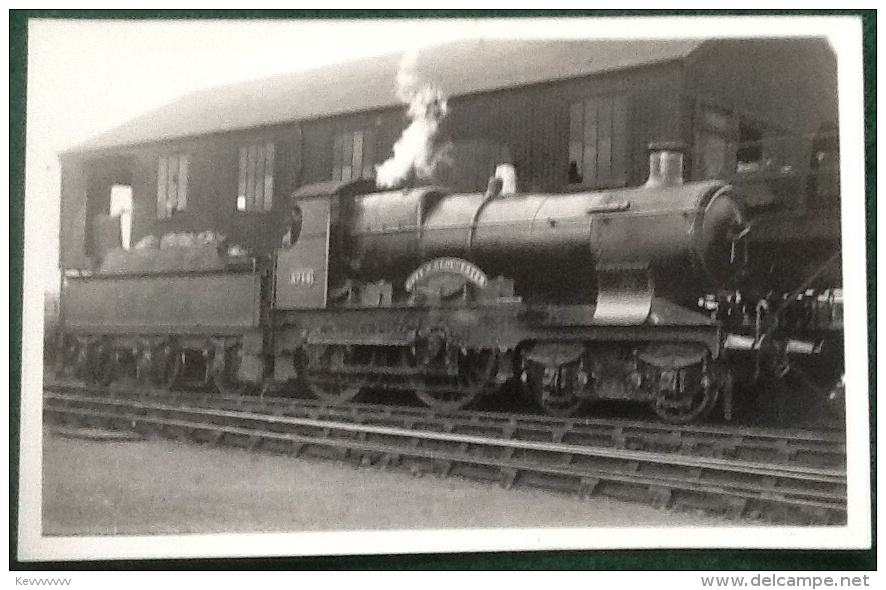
column 416, row 154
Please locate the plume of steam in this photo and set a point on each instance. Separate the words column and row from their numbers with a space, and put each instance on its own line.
column 416, row 153
column 407, row 78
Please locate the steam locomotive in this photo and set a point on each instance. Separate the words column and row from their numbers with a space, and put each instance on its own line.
column 573, row 297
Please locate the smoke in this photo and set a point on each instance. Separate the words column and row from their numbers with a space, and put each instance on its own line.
column 416, row 153
column 407, row 77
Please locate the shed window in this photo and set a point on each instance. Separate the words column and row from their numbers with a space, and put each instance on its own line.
column 750, row 143
column 353, row 155
column 715, row 144
column 172, row 185
column 598, row 141
column 121, row 206
column 255, row 190
column 727, row 142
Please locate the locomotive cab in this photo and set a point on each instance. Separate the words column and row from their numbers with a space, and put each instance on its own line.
column 307, row 267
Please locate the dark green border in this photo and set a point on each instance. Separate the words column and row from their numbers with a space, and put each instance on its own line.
column 569, row 560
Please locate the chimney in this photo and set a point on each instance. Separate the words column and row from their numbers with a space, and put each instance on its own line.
column 665, row 164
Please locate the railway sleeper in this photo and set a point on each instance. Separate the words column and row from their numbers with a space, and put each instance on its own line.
column 620, row 490
column 470, row 470
column 587, row 486
column 296, row 448
column 661, row 496
column 444, row 468
column 705, row 502
column 508, row 476
column 389, row 460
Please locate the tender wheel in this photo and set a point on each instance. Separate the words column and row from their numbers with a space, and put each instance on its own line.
column 685, row 395
column 161, row 365
column 318, row 370
column 71, row 358
column 125, row 366
column 557, row 390
column 447, row 394
column 98, row 365
column 224, row 375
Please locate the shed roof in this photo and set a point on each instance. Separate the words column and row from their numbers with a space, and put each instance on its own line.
column 456, row 68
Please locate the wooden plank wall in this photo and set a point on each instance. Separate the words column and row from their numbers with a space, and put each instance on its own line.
column 534, row 121
column 382, row 128
column 72, row 221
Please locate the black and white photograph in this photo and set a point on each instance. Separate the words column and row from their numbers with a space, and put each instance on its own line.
column 375, row 286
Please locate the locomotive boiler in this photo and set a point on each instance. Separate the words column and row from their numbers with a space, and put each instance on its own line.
column 685, row 235
column 579, row 297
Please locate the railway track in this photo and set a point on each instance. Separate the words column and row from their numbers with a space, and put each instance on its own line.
column 825, row 448
column 794, row 476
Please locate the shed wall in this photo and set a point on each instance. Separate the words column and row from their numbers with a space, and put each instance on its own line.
column 72, row 221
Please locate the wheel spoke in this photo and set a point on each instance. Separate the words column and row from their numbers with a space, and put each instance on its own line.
column 71, row 358
column 226, row 379
column 555, row 390
column 692, row 403
column 124, row 370
column 98, row 364
column 161, row 366
column 475, row 371
column 318, row 375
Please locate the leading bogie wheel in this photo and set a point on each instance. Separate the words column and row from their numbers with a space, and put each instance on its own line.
column 557, row 390
column 685, row 395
